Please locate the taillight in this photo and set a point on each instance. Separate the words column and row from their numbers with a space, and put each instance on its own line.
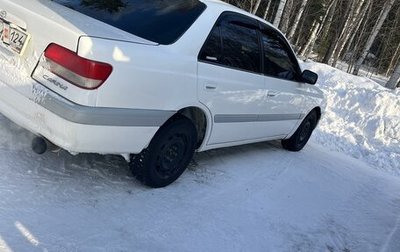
column 68, row 65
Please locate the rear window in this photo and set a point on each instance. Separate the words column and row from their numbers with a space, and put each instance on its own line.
column 160, row 21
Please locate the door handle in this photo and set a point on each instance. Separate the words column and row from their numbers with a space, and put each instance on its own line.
column 272, row 94
column 211, row 87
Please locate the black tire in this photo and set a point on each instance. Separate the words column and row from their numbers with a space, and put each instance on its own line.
column 168, row 154
column 302, row 135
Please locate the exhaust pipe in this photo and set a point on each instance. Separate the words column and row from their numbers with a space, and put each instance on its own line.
column 39, row 145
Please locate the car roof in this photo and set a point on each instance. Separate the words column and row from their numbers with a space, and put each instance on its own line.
column 220, row 5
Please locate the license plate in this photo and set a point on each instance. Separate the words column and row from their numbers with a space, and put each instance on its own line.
column 13, row 38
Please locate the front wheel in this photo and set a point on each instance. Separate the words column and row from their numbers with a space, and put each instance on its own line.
column 302, row 135
column 168, row 154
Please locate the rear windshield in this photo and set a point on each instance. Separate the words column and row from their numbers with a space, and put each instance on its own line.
column 160, row 21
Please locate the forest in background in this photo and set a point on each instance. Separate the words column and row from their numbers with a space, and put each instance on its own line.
column 361, row 33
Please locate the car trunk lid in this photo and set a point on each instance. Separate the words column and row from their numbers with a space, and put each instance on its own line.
column 45, row 22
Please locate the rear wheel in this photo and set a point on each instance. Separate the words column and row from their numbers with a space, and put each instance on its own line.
column 302, row 135
column 168, row 154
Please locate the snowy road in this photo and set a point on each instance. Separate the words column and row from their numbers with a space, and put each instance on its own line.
column 250, row 198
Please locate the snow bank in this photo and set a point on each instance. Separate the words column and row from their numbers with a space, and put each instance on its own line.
column 362, row 118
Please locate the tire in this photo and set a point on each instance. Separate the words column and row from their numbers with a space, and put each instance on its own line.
column 302, row 135
column 168, row 154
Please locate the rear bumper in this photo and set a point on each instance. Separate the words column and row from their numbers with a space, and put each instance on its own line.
column 79, row 128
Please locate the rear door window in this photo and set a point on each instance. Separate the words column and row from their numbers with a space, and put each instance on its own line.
column 160, row 21
column 234, row 43
column 212, row 49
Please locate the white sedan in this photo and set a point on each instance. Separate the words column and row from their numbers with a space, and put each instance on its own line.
column 151, row 80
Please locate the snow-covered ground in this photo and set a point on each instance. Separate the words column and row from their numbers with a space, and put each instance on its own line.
column 362, row 119
column 248, row 198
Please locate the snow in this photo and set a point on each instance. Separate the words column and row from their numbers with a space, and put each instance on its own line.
column 249, row 198
column 362, row 119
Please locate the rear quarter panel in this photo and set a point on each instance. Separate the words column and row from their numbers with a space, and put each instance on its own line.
column 148, row 77
column 151, row 76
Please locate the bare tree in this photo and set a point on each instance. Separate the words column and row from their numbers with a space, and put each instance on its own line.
column 279, row 13
column 394, row 80
column 256, row 6
column 394, row 58
column 297, row 19
column 346, row 8
column 359, row 31
column 318, row 28
column 267, row 9
column 327, row 20
column 375, row 31
column 307, row 48
column 353, row 30
column 337, row 29
column 348, row 27
column 284, row 25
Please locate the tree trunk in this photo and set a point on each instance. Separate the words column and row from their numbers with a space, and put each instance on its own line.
column 306, row 48
column 328, row 19
column 357, row 28
column 360, row 34
column 375, row 31
column 394, row 80
column 346, row 32
column 256, row 6
column 300, row 30
column 350, row 35
column 316, row 32
column 297, row 19
column 279, row 13
column 267, row 10
column 284, row 25
column 338, row 33
column 393, row 60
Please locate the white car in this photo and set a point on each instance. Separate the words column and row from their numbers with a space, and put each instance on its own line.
column 151, row 80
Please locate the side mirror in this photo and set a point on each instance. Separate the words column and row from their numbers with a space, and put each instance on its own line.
column 309, row 77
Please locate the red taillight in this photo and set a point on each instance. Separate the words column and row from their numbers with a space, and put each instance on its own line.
column 84, row 73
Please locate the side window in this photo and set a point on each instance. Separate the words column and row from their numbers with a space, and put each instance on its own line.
column 212, row 49
column 234, row 43
column 241, row 47
column 278, row 59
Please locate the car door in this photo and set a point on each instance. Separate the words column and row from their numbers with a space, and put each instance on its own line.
column 285, row 99
column 230, row 82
